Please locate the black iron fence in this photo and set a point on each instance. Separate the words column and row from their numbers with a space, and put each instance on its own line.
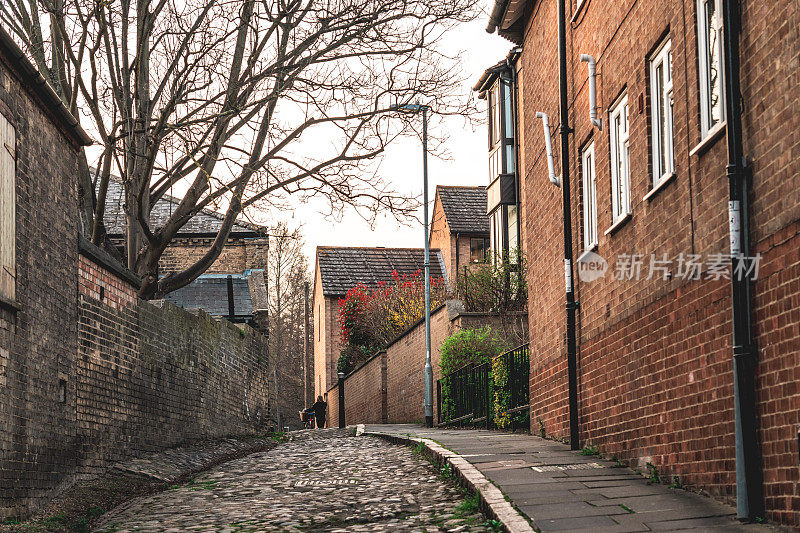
column 488, row 394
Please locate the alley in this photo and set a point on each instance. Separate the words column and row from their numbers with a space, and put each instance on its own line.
column 320, row 481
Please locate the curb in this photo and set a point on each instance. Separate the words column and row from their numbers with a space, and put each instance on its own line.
column 492, row 500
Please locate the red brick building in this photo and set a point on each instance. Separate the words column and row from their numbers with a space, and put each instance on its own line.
column 648, row 180
column 338, row 269
column 459, row 228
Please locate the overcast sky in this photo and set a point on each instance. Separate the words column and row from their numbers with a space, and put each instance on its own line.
column 402, row 164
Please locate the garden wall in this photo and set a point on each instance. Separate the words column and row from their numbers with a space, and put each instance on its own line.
column 390, row 387
column 151, row 375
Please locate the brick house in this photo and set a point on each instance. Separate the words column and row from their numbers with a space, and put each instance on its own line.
column 337, row 269
column 234, row 287
column 459, row 227
column 246, row 249
column 39, row 147
column 648, row 178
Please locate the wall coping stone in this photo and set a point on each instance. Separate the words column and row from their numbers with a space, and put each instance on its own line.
column 105, row 260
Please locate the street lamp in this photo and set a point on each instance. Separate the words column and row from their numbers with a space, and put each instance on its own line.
column 415, row 108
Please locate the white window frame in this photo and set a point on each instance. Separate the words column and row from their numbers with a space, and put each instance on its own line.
column 619, row 122
column 662, row 137
column 703, row 53
column 589, row 198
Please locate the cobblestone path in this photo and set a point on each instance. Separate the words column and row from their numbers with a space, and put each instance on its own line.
column 320, row 481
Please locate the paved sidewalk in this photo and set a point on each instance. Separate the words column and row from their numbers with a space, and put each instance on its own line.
column 561, row 490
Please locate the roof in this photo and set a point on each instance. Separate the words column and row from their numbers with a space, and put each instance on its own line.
column 504, row 14
column 464, row 208
column 489, row 75
column 210, row 293
column 206, row 222
column 343, row 268
column 43, row 90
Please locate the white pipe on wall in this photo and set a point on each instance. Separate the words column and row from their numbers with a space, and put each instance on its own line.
column 593, row 108
column 549, row 149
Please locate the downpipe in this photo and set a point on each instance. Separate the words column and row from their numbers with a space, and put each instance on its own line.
column 749, row 480
column 571, row 305
column 749, row 476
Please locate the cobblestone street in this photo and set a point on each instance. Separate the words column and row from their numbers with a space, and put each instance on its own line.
column 319, row 481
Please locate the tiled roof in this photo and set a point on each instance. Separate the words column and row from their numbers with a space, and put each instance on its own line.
column 207, row 221
column 344, row 268
column 210, row 293
column 464, row 209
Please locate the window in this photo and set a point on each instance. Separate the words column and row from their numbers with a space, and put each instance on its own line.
column 502, row 159
column 497, row 241
column 494, row 115
column 709, row 50
column 8, row 183
column 620, row 157
column 589, row 199
column 661, row 102
column 512, row 229
column 477, row 250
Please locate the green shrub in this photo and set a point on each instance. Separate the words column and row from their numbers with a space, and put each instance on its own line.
column 502, row 393
column 495, row 286
column 475, row 346
column 466, row 346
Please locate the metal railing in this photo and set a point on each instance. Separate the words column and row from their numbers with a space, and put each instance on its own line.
column 476, row 394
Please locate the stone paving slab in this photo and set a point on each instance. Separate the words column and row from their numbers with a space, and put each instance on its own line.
column 561, row 490
column 321, row 480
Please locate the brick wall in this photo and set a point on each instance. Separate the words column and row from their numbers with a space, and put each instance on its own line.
column 152, row 375
column 237, row 255
column 390, row 387
column 405, row 363
column 441, row 239
column 327, row 338
column 655, row 355
column 365, row 396
column 38, row 339
column 777, row 320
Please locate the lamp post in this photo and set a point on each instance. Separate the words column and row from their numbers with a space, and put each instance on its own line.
column 428, row 367
column 340, row 375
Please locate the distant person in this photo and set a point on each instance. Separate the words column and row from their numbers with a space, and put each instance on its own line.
column 320, row 409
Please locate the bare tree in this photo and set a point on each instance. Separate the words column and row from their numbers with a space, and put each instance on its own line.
column 239, row 102
column 287, row 273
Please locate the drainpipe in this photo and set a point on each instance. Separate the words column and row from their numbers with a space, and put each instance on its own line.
column 231, row 308
column 749, row 499
column 548, row 148
column 571, row 304
column 593, row 109
column 457, row 261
